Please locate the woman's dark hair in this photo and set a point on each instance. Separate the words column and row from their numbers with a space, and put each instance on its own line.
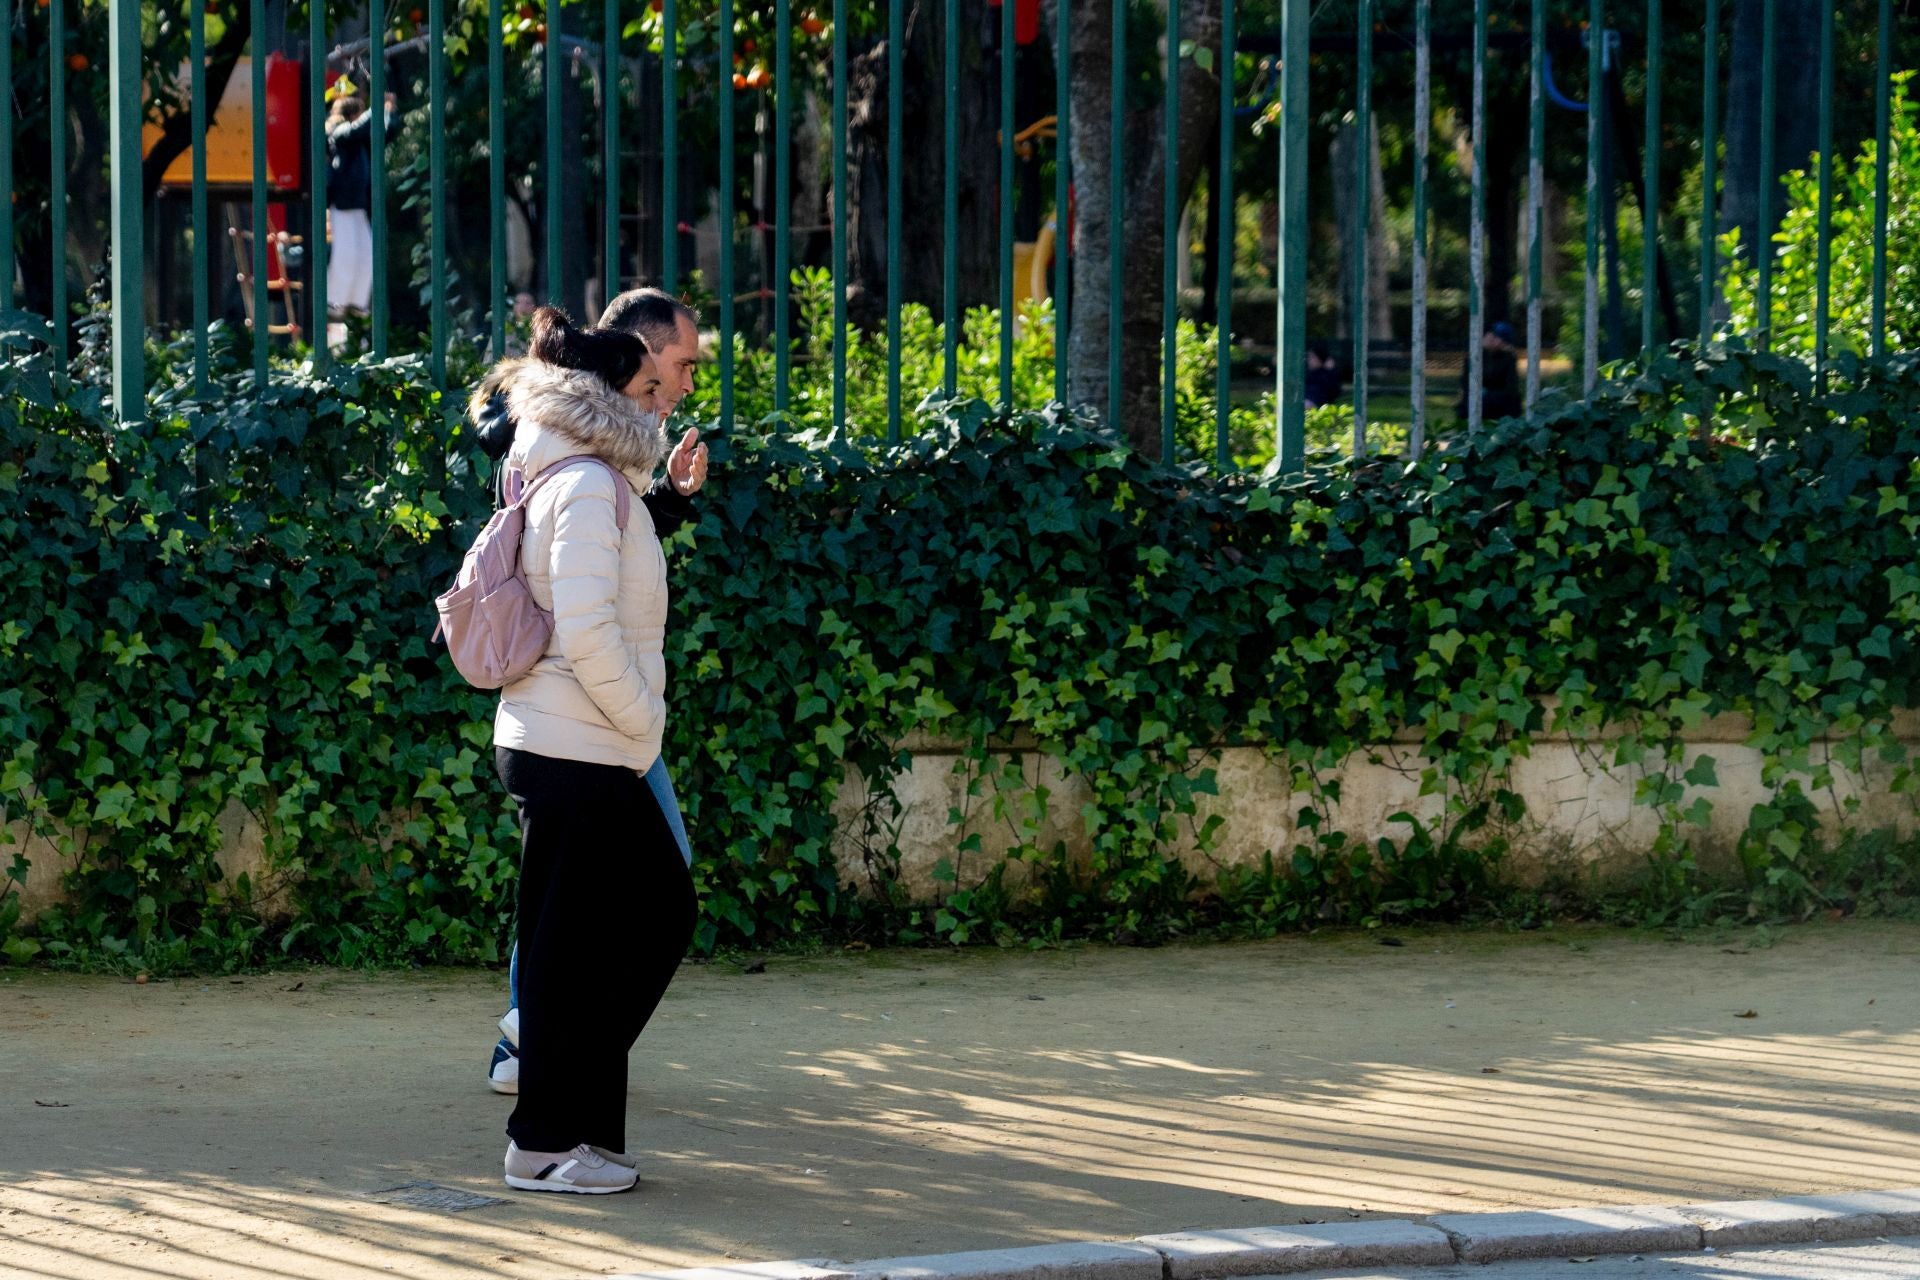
column 613, row 354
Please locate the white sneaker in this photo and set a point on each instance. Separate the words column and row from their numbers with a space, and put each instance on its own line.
column 505, row 1076
column 620, row 1158
column 510, row 1026
column 581, row 1170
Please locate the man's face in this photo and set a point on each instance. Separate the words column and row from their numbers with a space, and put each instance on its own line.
column 673, row 365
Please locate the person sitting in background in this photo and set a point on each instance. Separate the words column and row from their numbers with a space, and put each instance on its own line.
column 1500, row 376
column 1323, row 376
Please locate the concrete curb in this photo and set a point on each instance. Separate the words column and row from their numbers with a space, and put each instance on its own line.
column 1381, row 1242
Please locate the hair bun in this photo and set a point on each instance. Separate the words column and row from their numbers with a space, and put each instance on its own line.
column 554, row 339
column 613, row 355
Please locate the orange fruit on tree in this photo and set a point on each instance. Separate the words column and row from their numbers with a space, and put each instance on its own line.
column 811, row 25
column 739, row 80
column 77, row 62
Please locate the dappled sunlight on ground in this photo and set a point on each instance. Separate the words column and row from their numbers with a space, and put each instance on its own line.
column 921, row 1102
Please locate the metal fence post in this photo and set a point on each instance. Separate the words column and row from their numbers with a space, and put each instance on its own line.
column 317, row 179
column 197, row 70
column 1222, row 249
column 1477, row 231
column 1422, row 143
column 1362, row 216
column 1009, row 126
column 1291, row 447
column 6, row 164
column 437, row 183
column 129, row 224
column 1536, row 196
column 610, row 152
column 257, row 64
column 896, row 104
column 60, row 312
column 726, row 91
column 670, row 145
column 1062, row 190
column 556, row 242
column 497, row 183
column 1116, row 211
column 1170, row 239
column 782, row 200
column 839, row 212
column 1596, row 107
column 1650, row 183
column 950, row 206
column 1883, row 78
column 1709, row 166
column 1763, row 228
column 380, row 313
column 1823, row 266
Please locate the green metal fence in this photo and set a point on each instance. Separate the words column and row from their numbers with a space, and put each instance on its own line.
column 1278, row 67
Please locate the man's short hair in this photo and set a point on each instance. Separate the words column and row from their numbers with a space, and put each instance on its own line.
column 654, row 314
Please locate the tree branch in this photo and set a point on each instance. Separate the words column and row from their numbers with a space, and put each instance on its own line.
column 176, row 130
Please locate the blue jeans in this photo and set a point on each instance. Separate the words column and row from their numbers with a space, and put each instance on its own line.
column 662, row 784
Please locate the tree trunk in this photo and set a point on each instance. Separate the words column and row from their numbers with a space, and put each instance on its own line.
column 1379, row 312
column 1143, row 231
column 1796, row 87
column 1506, row 199
column 922, row 265
column 176, row 130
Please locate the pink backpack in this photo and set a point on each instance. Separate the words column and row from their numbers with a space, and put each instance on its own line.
column 495, row 632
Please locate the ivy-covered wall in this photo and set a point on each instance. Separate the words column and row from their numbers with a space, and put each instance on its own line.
column 233, row 604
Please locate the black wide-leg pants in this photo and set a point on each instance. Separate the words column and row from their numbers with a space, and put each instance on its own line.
column 606, row 912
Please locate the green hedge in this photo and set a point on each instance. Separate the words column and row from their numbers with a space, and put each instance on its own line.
column 233, row 602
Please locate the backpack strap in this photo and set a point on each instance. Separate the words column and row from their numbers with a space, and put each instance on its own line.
column 622, row 490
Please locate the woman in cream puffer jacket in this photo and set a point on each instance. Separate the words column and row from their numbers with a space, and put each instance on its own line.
column 606, row 901
column 599, row 693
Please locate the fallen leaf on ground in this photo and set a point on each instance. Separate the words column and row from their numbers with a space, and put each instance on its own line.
column 1748, row 1014
column 38, row 1103
column 1389, row 941
column 758, row 966
column 1489, row 1071
column 1585, row 1257
column 296, row 986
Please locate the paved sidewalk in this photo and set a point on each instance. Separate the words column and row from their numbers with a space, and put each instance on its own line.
column 1860, row 1260
column 906, row 1103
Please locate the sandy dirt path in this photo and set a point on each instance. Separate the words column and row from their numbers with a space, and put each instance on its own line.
column 910, row 1102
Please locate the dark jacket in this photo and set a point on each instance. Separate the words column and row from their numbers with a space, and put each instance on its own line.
column 350, row 176
column 494, row 426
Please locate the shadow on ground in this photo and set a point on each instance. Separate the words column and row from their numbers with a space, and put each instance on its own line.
column 916, row 1102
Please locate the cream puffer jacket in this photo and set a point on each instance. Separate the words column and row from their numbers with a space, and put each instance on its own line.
column 599, row 693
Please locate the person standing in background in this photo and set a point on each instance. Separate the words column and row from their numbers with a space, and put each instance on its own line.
column 349, row 197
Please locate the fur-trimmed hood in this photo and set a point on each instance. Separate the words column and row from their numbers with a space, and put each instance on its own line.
column 498, row 381
column 559, row 412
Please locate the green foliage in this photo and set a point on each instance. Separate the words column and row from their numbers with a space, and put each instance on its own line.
column 977, row 377
column 1795, row 248
column 225, row 614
